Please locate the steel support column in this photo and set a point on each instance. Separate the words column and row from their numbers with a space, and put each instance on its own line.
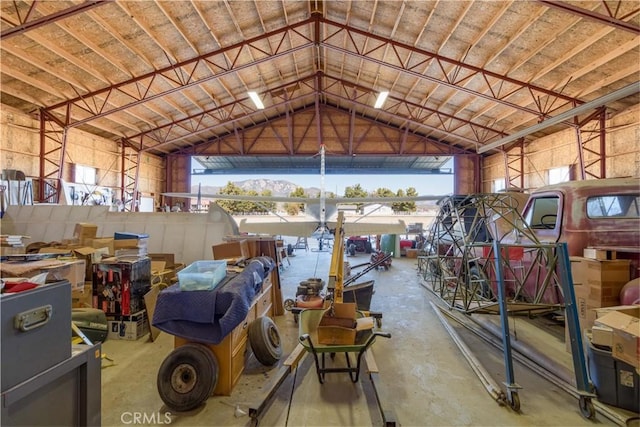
column 129, row 175
column 514, row 165
column 591, row 139
column 53, row 139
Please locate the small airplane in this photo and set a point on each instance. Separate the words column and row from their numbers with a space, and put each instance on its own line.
column 318, row 208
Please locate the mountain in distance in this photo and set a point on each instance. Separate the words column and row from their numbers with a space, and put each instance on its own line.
column 278, row 187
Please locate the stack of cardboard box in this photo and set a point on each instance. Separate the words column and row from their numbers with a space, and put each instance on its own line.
column 597, row 283
column 233, row 252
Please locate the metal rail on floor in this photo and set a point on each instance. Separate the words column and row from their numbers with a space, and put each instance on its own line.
column 293, row 361
column 556, row 271
column 526, row 357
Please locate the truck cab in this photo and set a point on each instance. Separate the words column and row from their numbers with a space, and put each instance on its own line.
column 602, row 214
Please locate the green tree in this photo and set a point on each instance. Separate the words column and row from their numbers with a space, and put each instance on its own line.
column 356, row 192
column 398, row 206
column 296, row 207
column 267, row 206
column 252, row 207
column 411, row 206
column 292, row 208
column 231, row 206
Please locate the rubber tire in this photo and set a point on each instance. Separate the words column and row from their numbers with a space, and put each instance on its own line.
column 586, row 407
column 193, row 367
column 265, row 342
column 486, row 290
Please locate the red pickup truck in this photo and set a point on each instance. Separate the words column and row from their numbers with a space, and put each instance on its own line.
column 603, row 214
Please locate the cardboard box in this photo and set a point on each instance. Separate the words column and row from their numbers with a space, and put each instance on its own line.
column 119, row 286
column 599, row 254
column 578, row 271
column 339, row 329
column 90, row 256
column 129, row 328
column 12, row 250
column 625, row 323
column 602, row 335
column 597, row 284
column 170, row 269
column 101, row 242
column 586, row 312
column 253, row 244
column 73, row 271
column 82, row 298
column 238, row 249
column 62, row 250
column 412, row 253
column 84, row 231
column 125, row 244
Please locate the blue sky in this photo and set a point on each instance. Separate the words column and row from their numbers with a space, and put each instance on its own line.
column 424, row 184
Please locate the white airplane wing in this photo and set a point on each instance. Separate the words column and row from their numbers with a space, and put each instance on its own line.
column 379, row 200
column 307, row 228
column 328, row 200
column 241, row 197
column 369, row 228
column 291, row 228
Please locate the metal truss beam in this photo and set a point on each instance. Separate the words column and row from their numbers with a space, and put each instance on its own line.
column 629, row 90
column 610, row 19
column 53, row 139
column 432, row 146
column 26, row 23
column 514, row 165
column 410, row 112
column 130, row 172
column 591, row 138
column 182, row 75
column 497, row 87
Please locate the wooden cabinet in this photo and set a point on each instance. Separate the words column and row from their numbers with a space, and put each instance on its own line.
column 230, row 353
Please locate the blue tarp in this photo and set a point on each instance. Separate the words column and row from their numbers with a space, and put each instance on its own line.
column 209, row 316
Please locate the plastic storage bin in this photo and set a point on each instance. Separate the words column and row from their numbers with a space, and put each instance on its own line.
column 202, row 275
column 616, row 382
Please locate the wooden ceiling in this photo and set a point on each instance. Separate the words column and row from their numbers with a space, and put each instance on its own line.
column 168, row 76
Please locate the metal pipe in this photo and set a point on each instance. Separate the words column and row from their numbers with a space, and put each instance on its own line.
column 629, row 90
column 539, row 363
column 491, row 386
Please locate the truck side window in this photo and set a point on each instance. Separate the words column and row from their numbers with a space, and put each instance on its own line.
column 543, row 213
column 618, row 206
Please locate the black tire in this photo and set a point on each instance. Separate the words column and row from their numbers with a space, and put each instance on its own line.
column 187, row 377
column 265, row 342
column 586, row 408
column 289, row 304
column 476, row 273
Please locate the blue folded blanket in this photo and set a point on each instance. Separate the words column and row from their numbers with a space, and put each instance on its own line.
column 209, row 316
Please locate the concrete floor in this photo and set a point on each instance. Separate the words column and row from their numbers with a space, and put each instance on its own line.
column 423, row 378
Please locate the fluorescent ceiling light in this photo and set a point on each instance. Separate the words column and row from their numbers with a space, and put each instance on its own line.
column 382, row 96
column 256, row 100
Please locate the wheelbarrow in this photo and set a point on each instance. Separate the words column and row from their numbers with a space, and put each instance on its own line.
column 308, row 329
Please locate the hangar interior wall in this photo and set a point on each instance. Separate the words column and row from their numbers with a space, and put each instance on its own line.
column 622, row 153
column 20, row 147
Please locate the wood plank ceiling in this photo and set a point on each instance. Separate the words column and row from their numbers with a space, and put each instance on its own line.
column 170, row 76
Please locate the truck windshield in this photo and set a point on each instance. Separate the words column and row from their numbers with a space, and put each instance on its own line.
column 617, row 206
column 543, row 213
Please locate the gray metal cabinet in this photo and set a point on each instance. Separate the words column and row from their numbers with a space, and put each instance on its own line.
column 67, row 394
